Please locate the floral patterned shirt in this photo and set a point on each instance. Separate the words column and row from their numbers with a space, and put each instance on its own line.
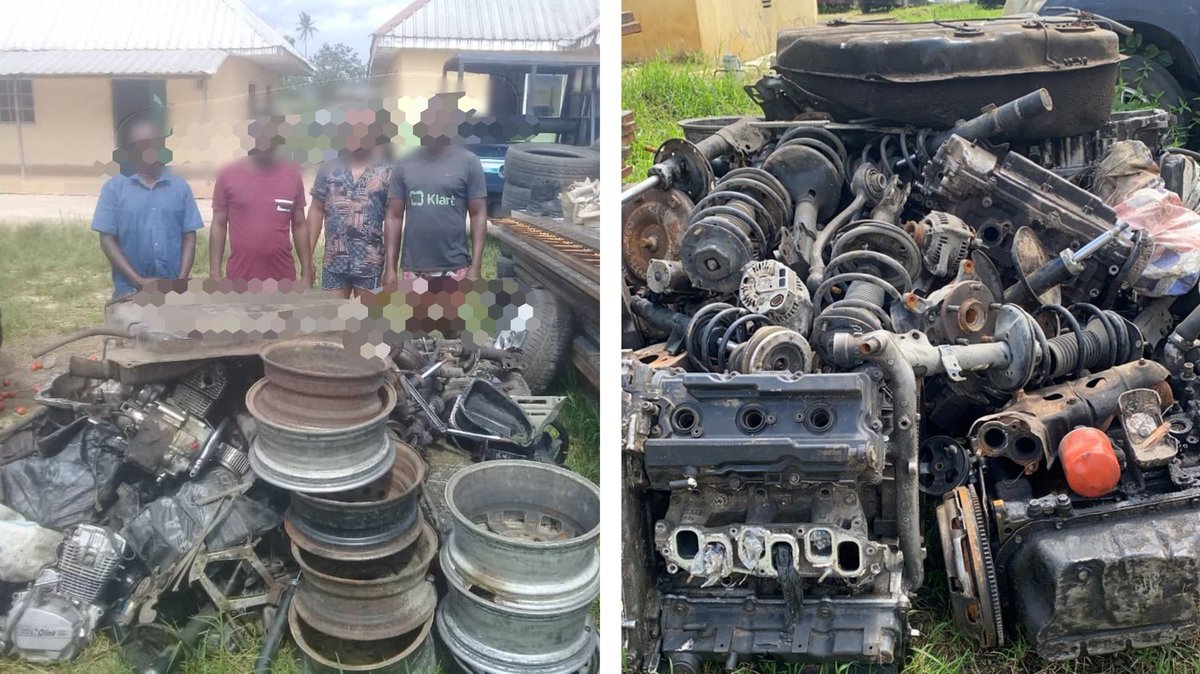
column 354, row 213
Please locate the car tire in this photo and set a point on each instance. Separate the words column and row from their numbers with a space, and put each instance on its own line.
column 515, row 198
column 1151, row 81
column 526, row 163
column 546, row 343
column 506, row 266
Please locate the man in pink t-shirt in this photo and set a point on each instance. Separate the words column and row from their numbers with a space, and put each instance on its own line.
column 259, row 201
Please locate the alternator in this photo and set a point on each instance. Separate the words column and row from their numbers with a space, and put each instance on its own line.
column 945, row 241
column 770, row 288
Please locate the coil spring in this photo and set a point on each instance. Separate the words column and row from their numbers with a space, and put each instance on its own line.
column 1106, row 341
column 872, row 262
column 724, row 338
column 912, row 157
column 716, row 330
column 739, row 221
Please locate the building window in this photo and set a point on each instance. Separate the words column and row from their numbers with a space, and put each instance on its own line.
column 544, row 94
column 16, row 101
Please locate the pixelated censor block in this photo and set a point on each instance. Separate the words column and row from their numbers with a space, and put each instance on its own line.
column 234, row 316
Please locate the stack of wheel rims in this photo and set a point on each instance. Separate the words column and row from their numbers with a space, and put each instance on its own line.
column 522, row 566
column 365, row 601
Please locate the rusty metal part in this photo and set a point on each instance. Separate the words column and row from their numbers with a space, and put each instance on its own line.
column 957, row 313
column 1028, row 430
column 319, row 383
column 374, row 521
column 272, row 589
column 974, row 593
column 411, row 653
column 320, row 460
column 1148, row 434
column 652, row 227
column 371, row 600
column 656, row 356
column 581, row 255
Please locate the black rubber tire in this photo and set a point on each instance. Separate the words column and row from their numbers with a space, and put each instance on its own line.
column 526, row 163
column 1155, row 82
column 547, row 342
column 506, row 266
column 515, row 198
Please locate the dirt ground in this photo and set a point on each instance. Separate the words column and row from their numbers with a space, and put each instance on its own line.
column 15, row 361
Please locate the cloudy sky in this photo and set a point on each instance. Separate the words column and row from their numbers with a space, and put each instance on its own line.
column 348, row 21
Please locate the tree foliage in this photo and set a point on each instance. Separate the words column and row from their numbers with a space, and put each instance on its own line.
column 338, row 63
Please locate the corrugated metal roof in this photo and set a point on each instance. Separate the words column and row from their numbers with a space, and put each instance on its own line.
column 112, row 62
column 495, row 25
column 140, row 25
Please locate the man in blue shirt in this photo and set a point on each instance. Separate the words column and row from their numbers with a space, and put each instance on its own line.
column 148, row 220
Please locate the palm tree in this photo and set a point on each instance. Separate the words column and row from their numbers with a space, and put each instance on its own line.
column 306, row 29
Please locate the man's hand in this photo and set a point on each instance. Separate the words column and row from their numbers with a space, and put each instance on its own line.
column 215, row 273
column 390, row 279
column 307, row 279
column 474, row 272
column 140, row 282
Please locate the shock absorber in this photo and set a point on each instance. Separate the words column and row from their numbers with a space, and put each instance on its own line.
column 810, row 162
column 1106, row 340
column 740, row 221
column 873, row 263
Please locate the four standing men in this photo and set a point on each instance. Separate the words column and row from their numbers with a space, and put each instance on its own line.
column 370, row 210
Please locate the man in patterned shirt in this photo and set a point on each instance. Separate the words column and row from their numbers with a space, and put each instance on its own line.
column 349, row 201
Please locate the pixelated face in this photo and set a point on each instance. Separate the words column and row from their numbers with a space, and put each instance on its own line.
column 363, row 131
column 265, row 136
column 440, row 122
column 145, row 146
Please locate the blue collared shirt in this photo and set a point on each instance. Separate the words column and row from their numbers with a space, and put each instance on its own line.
column 149, row 223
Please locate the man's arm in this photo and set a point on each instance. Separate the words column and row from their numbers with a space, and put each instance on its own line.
column 216, row 244
column 190, row 225
column 104, row 222
column 477, row 209
column 189, row 254
column 393, row 234
column 220, row 228
column 116, row 257
column 316, row 222
column 303, row 247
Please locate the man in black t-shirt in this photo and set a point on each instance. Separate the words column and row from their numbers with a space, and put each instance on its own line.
column 432, row 192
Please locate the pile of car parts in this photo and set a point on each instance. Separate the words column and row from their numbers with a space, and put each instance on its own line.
column 909, row 284
column 523, row 569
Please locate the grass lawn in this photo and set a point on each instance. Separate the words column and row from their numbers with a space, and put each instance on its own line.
column 55, row 280
column 662, row 92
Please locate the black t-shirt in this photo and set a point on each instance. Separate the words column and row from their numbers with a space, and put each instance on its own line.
column 435, row 185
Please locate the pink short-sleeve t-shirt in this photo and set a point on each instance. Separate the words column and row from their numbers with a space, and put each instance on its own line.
column 259, row 203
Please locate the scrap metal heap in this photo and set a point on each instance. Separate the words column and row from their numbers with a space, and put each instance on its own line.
column 279, row 485
column 863, row 315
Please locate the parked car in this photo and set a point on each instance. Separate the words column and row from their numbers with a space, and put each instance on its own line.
column 1163, row 49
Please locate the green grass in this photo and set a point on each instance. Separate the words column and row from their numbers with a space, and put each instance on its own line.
column 939, row 12
column 661, row 92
